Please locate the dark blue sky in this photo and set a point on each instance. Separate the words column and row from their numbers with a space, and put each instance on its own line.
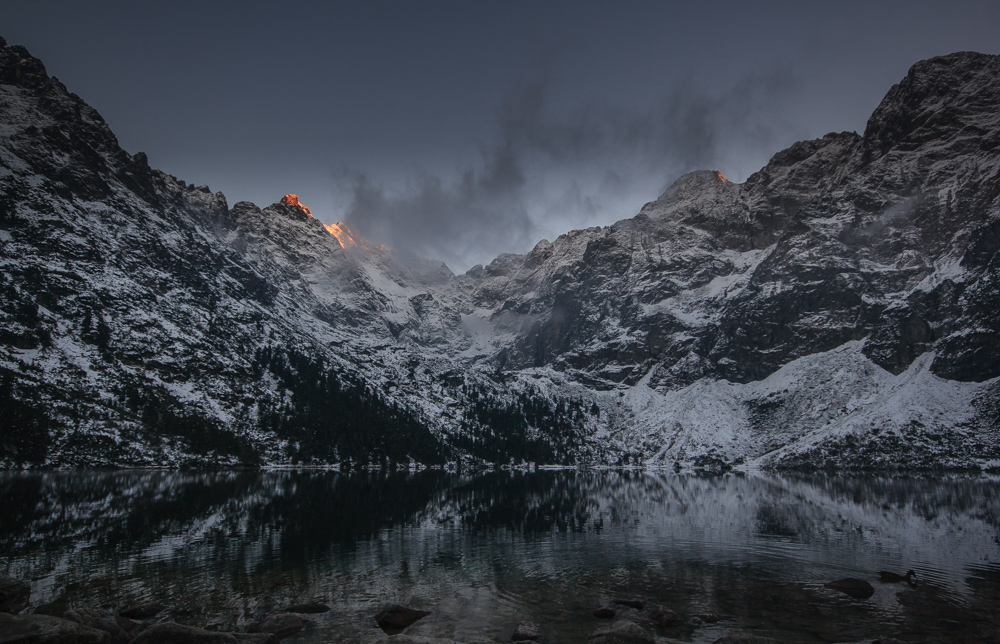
column 464, row 129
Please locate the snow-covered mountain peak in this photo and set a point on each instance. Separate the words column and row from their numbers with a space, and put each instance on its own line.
column 940, row 99
column 343, row 234
column 293, row 200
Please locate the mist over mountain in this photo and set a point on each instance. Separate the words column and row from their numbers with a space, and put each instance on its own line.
column 835, row 310
column 546, row 171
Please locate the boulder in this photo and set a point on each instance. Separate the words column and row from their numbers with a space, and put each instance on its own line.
column 121, row 629
column 398, row 617
column 144, row 610
column 282, row 625
column 14, row 595
column 45, row 629
column 742, row 638
column 416, row 639
column 526, row 631
column 308, row 608
column 856, row 588
column 621, row 632
column 663, row 617
column 55, row 608
column 170, row 633
column 256, row 638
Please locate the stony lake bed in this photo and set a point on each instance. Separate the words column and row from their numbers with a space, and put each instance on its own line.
column 623, row 556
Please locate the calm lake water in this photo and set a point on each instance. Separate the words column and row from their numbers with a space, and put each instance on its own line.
column 484, row 552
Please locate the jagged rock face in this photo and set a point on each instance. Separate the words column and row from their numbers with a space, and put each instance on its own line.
column 119, row 280
column 890, row 237
column 838, row 305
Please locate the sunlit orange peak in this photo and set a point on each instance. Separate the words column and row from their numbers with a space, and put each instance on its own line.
column 722, row 179
column 342, row 233
column 293, row 200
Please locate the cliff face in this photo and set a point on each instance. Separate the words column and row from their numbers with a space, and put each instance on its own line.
column 837, row 308
column 887, row 237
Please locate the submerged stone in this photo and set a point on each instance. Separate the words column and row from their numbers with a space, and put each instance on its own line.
column 308, row 608
column 525, row 631
column 398, row 617
column 55, row 608
column 14, row 595
column 663, row 617
column 742, row 638
column 170, row 633
column 256, row 638
column 144, row 610
column 45, row 629
column 281, row 625
column 857, row 588
column 121, row 629
column 621, row 632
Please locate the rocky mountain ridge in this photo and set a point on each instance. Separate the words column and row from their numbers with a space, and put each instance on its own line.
column 836, row 309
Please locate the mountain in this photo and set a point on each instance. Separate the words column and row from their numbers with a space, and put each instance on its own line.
column 836, row 310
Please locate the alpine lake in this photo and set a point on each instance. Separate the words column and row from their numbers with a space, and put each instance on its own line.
column 737, row 553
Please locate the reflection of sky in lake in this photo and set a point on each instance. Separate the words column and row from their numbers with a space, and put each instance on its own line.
column 485, row 552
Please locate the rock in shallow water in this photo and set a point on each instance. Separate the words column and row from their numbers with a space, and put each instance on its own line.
column 663, row 617
column 14, row 595
column 121, row 629
column 45, row 629
column 621, row 632
column 308, row 608
column 857, row 588
column 170, row 633
column 525, row 631
column 281, row 625
column 398, row 617
column 256, row 638
column 741, row 638
column 144, row 610
column 416, row 639
column 55, row 608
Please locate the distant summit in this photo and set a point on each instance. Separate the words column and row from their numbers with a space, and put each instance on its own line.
column 293, row 200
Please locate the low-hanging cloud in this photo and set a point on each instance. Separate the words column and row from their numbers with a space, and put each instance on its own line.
column 547, row 171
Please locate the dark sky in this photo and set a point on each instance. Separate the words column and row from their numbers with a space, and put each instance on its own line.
column 463, row 129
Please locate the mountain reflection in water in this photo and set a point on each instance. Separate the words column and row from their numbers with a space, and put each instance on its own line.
column 484, row 552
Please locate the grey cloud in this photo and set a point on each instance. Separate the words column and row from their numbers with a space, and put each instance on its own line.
column 548, row 171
